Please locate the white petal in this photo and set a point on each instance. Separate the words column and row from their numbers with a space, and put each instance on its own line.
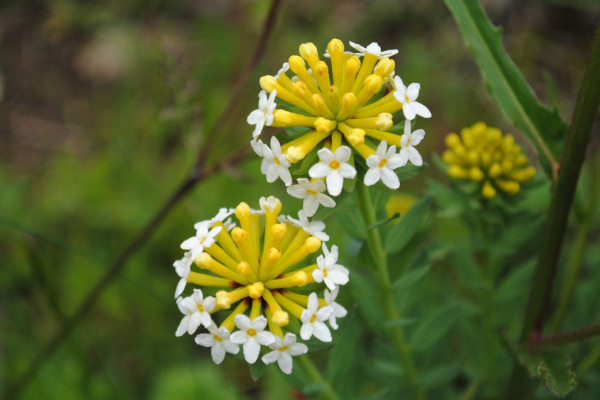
column 194, row 322
column 297, row 348
column 230, row 347
column 417, row 136
column 265, row 338
column 205, row 319
column 334, row 183
column 297, row 191
column 421, row 110
column 325, row 200
column 190, row 243
column 259, row 323
column 180, row 286
column 319, row 170
column 251, row 351
column 271, row 357
column 338, row 277
column 325, row 155
column 389, row 178
column 409, row 112
column 272, row 173
column 414, row 156
column 285, row 176
column 321, row 332
column 285, row 363
column 313, row 303
column 347, row 171
column 183, row 326
column 310, row 205
column 306, row 331
column 254, row 117
column 242, row 322
column 317, row 275
column 372, row 176
column 342, row 154
column 217, row 353
column 373, row 161
column 412, row 91
column 205, row 339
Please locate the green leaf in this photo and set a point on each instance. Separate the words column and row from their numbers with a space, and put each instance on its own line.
column 408, row 226
column 552, row 367
column 351, row 219
column 340, row 359
column 434, row 327
column 400, row 322
column 439, row 376
column 411, row 278
column 257, row 370
column 409, row 171
column 542, row 126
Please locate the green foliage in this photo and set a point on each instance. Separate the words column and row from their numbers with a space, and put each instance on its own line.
column 405, row 229
column 544, row 128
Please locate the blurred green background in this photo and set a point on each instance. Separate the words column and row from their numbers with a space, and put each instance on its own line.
column 103, row 105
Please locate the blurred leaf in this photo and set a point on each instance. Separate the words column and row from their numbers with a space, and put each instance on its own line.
column 257, row 370
column 401, row 322
column 552, row 367
column 340, row 359
column 401, row 233
column 439, row 376
column 411, row 278
column 433, row 327
column 409, row 171
column 351, row 219
column 543, row 127
column 364, row 289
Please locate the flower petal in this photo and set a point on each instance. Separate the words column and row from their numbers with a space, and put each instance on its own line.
column 251, row 351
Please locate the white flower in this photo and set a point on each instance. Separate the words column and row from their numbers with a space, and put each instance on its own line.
column 337, row 310
column 312, row 320
column 407, row 143
column 182, row 268
column 328, row 271
column 274, row 164
column 283, row 350
column 374, row 49
column 407, row 97
column 284, row 68
column 312, row 193
column 258, row 147
column 313, row 228
column 264, row 115
column 334, row 168
column 251, row 335
column 196, row 310
column 220, row 217
column 270, row 203
column 382, row 166
column 218, row 341
column 204, row 238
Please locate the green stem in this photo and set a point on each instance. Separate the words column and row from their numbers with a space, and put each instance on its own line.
column 380, row 258
column 576, row 261
column 566, row 338
column 562, row 198
column 315, row 376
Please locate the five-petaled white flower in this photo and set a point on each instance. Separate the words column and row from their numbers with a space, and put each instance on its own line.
column 264, row 115
column 274, row 164
column 204, row 238
column 334, row 168
column 337, row 310
column 196, row 310
column 218, row 341
column 313, row 228
column 312, row 193
column 407, row 97
column 251, row 335
column 382, row 166
column 182, row 269
column 312, row 320
column 374, row 49
column 283, row 350
column 328, row 271
column 407, row 143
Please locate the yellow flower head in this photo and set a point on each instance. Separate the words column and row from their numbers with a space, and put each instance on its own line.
column 345, row 104
column 253, row 271
column 483, row 154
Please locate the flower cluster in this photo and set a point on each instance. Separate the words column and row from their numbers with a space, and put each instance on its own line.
column 342, row 110
column 252, row 270
column 482, row 154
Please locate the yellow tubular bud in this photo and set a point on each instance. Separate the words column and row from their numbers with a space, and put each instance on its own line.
column 336, row 140
column 285, row 81
column 222, row 256
column 488, row 190
column 295, row 154
column 336, row 51
column 452, row 140
column 240, row 237
column 225, row 299
column 205, row 261
column 387, row 104
column 298, row 66
column 479, row 128
column 256, row 308
column 390, row 138
column 302, row 299
column 225, row 241
column 507, row 166
column 309, row 52
column 495, row 170
column 311, row 245
column 473, row 157
column 269, row 82
column 382, row 122
column 372, row 85
column 510, row 187
column 384, row 67
column 273, row 327
column 244, row 269
column 207, row 280
column 256, row 232
column 458, row 172
column 305, row 146
column 366, row 69
column 349, row 75
column 335, row 98
column 520, row 160
column 349, row 102
column 486, row 159
column 301, row 90
column 324, row 125
column 364, row 150
column 240, row 309
column 476, row 174
column 354, row 136
column 268, row 262
column 296, row 279
column 321, row 74
column 278, row 231
column 449, row 157
column 282, row 118
column 467, row 137
column 494, row 134
column 256, row 290
column 322, row 109
column 294, row 308
column 307, row 270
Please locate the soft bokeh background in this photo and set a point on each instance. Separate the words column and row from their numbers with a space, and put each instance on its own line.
column 103, row 105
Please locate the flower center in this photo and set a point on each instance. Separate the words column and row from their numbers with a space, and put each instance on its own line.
column 311, row 192
column 200, row 308
column 407, row 99
column 283, row 348
column 335, row 164
column 251, row 332
column 218, row 338
column 383, row 162
column 313, row 318
column 277, row 161
column 325, row 273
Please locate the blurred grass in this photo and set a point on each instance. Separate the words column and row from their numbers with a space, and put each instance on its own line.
column 104, row 107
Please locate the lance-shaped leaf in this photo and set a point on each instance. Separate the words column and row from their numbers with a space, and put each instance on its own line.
column 542, row 126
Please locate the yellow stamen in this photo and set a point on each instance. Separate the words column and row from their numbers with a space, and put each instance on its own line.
column 225, row 241
column 349, row 102
column 336, row 141
column 219, row 254
column 321, row 106
column 280, row 317
column 205, row 261
column 278, row 231
column 225, row 299
column 311, row 245
column 309, row 52
column 244, row 269
column 335, row 98
column 324, row 125
column 366, row 69
column 349, row 76
column 372, row 85
column 268, row 262
column 294, row 308
column 302, row 299
column 383, row 121
column 240, row 237
column 390, row 138
column 255, row 311
column 268, row 84
column 282, row 118
column 384, row 67
column 273, row 327
column 387, row 104
column 300, row 89
column 336, row 51
column 256, row 290
column 297, row 149
column 354, row 136
column 298, row 66
column 321, row 73
column 297, row 279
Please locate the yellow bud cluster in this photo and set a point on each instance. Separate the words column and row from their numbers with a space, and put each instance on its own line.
column 483, row 154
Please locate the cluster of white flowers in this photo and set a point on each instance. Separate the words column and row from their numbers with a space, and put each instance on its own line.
column 341, row 116
column 265, row 287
